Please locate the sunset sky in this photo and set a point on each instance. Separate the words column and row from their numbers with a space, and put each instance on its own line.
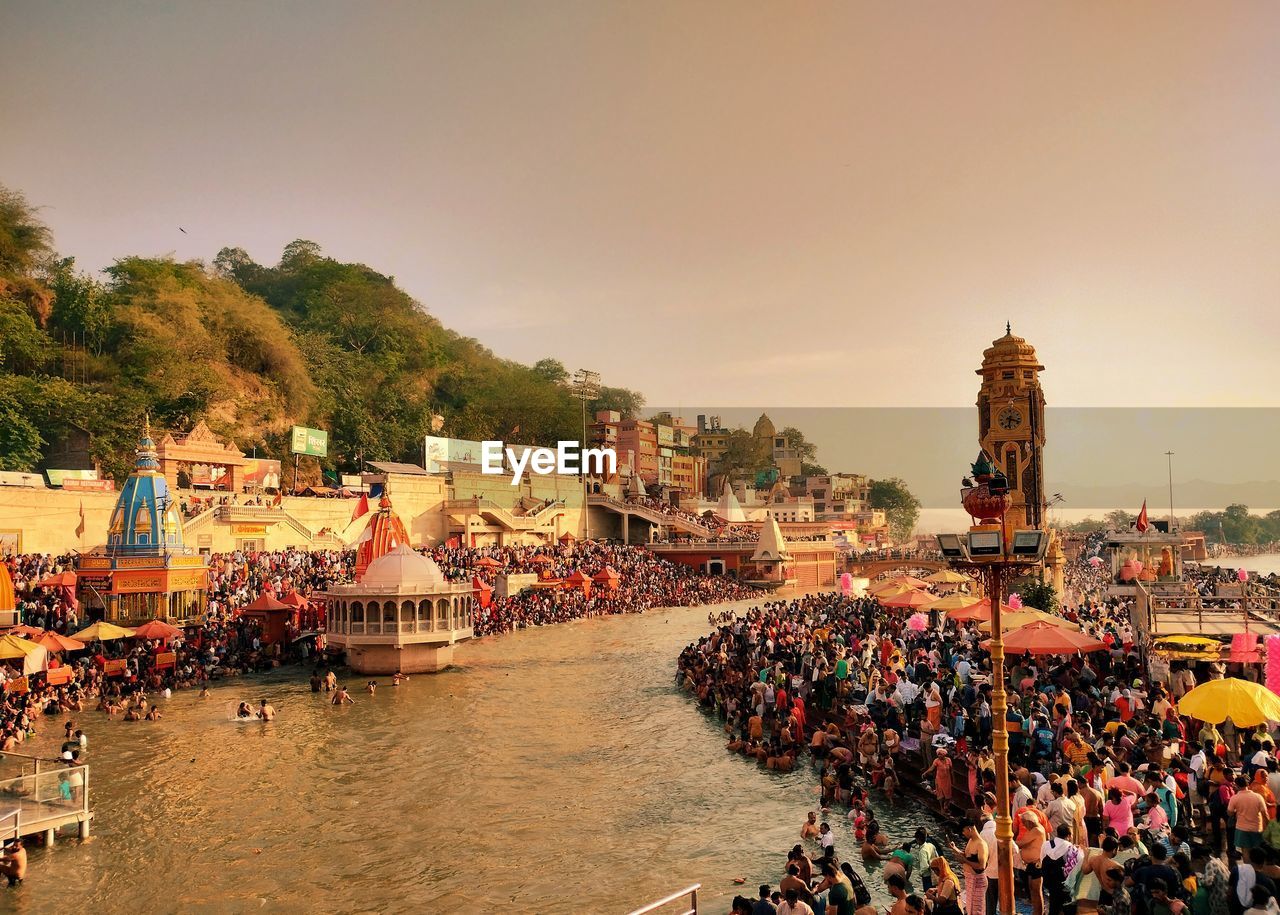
column 798, row 204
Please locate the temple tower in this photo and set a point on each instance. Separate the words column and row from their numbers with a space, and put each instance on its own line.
column 1011, row 424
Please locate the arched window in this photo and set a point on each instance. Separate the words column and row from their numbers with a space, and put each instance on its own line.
column 389, row 611
column 442, row 613
column 357, row 612
column 424, row 611
column 406, row 613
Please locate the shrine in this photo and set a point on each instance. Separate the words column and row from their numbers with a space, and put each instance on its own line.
column 203, row 458
column 144, row 571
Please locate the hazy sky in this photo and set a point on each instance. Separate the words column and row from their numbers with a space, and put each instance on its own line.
column 736, row 203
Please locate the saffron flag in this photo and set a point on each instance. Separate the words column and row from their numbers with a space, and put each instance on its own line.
column 80, row 526
column 362, row 507
column 1142, row 523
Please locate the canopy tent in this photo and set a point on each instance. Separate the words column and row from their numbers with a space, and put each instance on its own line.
column 296, row 601
column 913, row 599
column 1044, row 638
column 567, row 537
column 55, row 643
column 103, row 632
column 488, row 562
column 887, row 588
column 542, row 560
column 579, row 580
column 266, row 602
column 1246, row 704
column 25, row 631
column 156, row 629
column 484, row 592
column 35, row 658
column 947, row 577
column 61, row 580
column 8, row 602
column 607, row 578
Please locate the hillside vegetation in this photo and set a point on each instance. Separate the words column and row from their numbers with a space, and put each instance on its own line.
column 252, row 350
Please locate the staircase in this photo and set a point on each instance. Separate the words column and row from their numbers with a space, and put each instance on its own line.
column 661, row 519
column 504, row 516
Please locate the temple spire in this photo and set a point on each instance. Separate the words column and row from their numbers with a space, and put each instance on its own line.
column 1008, row 327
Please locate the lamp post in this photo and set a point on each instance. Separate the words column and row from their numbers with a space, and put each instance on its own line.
column 990, row 555
column 586, row 386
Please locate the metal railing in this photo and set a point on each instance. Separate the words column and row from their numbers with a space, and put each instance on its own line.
column 46, row 799
column 689, row 892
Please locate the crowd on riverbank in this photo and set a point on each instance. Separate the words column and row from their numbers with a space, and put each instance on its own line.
column 1118, row 800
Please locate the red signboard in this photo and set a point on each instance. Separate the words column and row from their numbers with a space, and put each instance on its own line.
column 166, row 659
column 56, row 676
column 114, row 668
column 16, row 685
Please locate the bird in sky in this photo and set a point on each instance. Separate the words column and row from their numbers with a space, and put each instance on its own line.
column 182, row 230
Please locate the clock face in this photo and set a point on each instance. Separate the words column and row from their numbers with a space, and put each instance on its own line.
column 1009, row 418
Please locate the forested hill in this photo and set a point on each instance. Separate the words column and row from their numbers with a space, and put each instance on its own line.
column 252, row 350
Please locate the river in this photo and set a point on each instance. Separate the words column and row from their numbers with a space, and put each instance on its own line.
column 1263, row 563
column 554, row 770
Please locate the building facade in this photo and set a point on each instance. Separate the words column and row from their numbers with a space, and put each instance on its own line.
column 1011, row 424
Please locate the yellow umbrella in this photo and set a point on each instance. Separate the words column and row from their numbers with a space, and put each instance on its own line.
column 947, row 577
column 1019, row 618
column 957, row 601
column 13, row 647
column 1246, row 704
column 888, row 588
column 103, row 632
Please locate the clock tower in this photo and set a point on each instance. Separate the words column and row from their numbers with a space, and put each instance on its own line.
column 1011, row 424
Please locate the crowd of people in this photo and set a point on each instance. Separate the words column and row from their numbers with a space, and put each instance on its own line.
column 642, row 582
column 1120, row 804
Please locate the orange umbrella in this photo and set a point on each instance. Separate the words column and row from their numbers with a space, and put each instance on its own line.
column 61, row 580
column 25, row 630
column 1043, row 638
column 58, row 643
column 156, row 629
column 488, row 562
column 914, row 600
column 542, row 560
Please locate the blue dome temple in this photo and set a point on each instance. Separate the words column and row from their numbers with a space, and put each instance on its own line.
column 144, row 571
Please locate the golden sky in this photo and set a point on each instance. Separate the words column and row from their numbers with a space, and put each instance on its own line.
column 802, row 204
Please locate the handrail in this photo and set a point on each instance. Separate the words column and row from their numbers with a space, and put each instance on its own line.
column 690, row 891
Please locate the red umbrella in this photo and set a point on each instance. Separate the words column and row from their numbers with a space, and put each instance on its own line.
column 910, row 599
column 979, row 612
column 296, row 600
column 542, row 560
column 484, row 592
column 1041, row 638
column 61, row 580
column 488, row 562
column 156, row 629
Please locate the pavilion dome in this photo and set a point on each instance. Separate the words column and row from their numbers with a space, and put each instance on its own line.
column 1008, row 351
column 145, row 521
column 403, row 568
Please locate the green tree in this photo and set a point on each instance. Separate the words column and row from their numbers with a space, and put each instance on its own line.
column 25, row 241
column 742, row 453
column 620, row 400
column 806, row 449
column 20, row 441
column 901, row 507
column 552, row 370
column 1119, row 519
column 1039, row 594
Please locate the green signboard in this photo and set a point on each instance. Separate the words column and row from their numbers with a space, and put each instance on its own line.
column 314, row 442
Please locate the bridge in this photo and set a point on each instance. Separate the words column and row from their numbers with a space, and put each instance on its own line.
column 870, row 568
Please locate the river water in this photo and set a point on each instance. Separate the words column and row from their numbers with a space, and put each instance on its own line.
column 554, row 770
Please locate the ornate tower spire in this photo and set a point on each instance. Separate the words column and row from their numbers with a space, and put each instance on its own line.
column 147, row 458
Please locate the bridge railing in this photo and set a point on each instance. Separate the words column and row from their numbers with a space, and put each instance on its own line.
column 689, row 893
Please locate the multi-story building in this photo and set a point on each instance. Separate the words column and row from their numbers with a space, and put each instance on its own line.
column 711, row 439
column 638, row 446
column 838, row 496
column 688, row 473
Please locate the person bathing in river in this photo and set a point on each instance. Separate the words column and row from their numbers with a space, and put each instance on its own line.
column 810, row 829
column 243, row 711
column 341, row 696
column 266, row 712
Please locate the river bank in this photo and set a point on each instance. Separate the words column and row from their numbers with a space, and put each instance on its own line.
column 555, row 769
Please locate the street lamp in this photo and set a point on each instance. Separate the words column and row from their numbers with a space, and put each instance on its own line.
column 586, row 386
column 990, row 553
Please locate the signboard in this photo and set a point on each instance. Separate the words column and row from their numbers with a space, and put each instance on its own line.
column 57, row 676
column 442, row 452
column 314, row 442
column 114, row 667
column 89, row 485
column 16, row 685
column 248, row 530
column 352, row 481
column 58, row 477
column 166, row 659
column 262, row 473
column 666, row 436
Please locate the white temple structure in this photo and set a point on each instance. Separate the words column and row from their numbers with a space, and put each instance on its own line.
column 402, row 616
column 729, row 508
column 770, row 565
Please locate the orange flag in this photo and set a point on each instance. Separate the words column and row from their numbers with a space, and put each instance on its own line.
column 362, row 507
column 1143, row 524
